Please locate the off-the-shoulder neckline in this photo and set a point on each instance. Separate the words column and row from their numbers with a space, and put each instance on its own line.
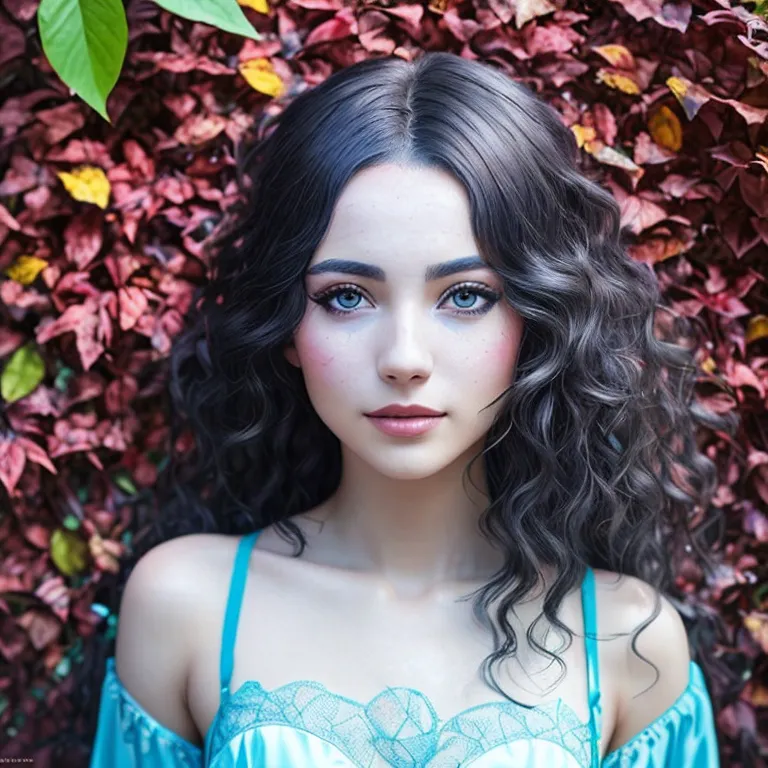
column 694, row 672
column 694, row 675
column 164, row 730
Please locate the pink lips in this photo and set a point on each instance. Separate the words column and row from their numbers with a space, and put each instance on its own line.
column 395, row 409
column 405, row 427
column 405, row 420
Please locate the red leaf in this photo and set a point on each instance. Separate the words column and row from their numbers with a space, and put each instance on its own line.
column 69, row 320
column 138, row 159
column 176, row 190
column 42, row 628
column 341, row 26
column 12, row 460
column 83, row 151
column 198, row 129
column 36, row 453
column 62, row 120
column 83, row 320
column 38, row 535
column 675, row 15
column 639, row 214
column 13, row 41
column 120, row 393
column 550, row 38
column 83, row 237
column 55, row 593
column 132, row 303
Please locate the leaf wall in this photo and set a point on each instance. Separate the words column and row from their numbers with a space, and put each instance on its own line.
column 102, row 236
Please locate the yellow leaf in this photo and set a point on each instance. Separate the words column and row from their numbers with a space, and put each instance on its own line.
column 666, row 129
column 620, row 82
column 617, row 56
column 583, row 133
column 261, row 77
column 757, row 624
column 24, row 371
column 25, row 269
column 88, row 183
column 691, row 96
column 68, row 552
column 709, row 365
column 678, row 87
column 258, row 5
column 757, row 328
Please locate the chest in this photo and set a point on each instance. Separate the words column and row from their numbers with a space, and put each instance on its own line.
column 356, row 653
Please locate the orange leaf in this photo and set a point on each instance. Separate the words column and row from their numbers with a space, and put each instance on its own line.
column 757, row 328
column 666, row 129
column 616, row 56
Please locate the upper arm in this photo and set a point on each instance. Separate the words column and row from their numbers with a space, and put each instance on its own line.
column 152, row 646
column 651, row 682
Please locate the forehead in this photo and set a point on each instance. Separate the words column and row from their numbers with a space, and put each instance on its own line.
column 395, row 203
column 400, row 218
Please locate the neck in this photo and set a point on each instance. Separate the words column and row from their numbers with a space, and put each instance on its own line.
column 414, row 537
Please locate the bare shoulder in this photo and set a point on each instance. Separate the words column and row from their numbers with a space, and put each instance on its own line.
column 650, row 680
column 168, row 589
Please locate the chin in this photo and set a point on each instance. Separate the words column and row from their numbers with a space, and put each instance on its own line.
column 408, row 465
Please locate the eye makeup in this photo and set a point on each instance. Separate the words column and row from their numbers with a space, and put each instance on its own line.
column 324, row 298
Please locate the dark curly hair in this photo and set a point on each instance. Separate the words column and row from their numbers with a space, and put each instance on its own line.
column 593, row 458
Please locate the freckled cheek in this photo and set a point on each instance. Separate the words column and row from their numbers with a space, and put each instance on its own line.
column 502, row 355
column 496, row 358
column 325, row 359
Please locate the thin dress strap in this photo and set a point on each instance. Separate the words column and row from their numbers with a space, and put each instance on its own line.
column 232, row 615
column 589, row 606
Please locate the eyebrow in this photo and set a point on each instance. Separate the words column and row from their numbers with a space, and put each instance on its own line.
column 433, row 272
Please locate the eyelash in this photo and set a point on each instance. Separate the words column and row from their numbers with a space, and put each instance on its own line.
column 324, row 298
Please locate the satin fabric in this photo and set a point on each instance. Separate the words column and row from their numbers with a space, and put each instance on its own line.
column 683, row 736
column 277, row 746
column 128, row 737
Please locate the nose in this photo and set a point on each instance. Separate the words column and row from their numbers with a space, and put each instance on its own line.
column 405, row 353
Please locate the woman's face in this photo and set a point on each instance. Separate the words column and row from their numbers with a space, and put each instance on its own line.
column 368, row 341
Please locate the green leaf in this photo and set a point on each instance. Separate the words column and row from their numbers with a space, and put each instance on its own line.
column 25, row 370
column 68, row 552
column 123, row 481
column 224, row 14
column 85, row 42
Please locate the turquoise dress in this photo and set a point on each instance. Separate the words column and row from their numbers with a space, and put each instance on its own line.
column 304, row 725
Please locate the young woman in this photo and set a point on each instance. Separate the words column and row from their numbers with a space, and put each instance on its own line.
column 425, row 359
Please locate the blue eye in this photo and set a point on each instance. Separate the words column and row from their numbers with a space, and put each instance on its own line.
column 346, row 295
